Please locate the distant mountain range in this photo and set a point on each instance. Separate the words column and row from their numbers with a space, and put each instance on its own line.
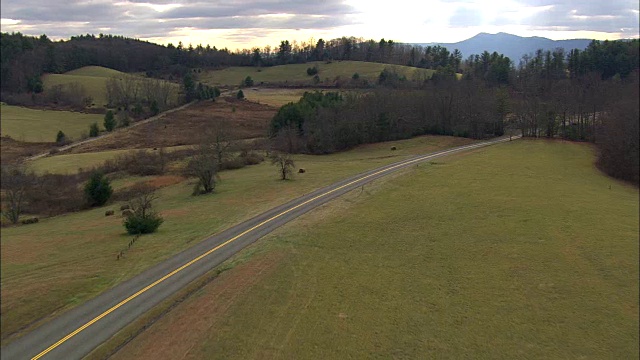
column 510, row 45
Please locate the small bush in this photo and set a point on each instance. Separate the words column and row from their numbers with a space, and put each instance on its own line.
column 98, row 189
column 240, row 94
column 94, row 130
column 137, row 224
column 29, row 221
column 123, row 119
column 355, row 76
column 137, row 110
column 232, row 164
column 61, row 138
column 109, row 121
column 154, row 108
column 143, row 219
column 248, row 81
column 252, row 158
column 312, row 71
column 109, row 213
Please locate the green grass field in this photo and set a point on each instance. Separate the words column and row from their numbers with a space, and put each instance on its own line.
column 31, row 125
column 274, row 97
column 63, row 261
column 297, row 73
column 95, row 71
column 96, row 87
column 522, row 250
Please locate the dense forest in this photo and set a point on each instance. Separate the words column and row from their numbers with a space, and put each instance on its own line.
column 582, row 96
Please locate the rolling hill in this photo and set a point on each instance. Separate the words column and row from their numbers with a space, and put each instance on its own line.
column 297, row 73
column 33, row 125
column 92, row 78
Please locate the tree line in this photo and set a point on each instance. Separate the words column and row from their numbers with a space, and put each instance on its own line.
column 25, row 58
column 544, row 96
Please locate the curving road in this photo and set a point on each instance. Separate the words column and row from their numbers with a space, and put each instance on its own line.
column 77, row 332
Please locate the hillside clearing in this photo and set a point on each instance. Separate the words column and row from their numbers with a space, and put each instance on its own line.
column 521, row 250
column 274, row 97
column 242, row 120
column 71, row 258
column 30, row 125
column 297, row 73
column 95, row 71
column 94, row 80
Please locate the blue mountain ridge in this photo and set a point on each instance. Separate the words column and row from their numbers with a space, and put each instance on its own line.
column 510, row 45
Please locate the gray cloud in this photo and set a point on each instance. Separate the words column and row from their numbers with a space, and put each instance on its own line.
column 605, row 16
column 137, row 18
column 62, row 19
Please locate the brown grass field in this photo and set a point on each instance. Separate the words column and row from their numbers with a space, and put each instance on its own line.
column 243, row 119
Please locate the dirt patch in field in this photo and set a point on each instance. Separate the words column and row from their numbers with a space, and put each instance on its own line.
column 12, row 151
column 179, row 334
column 241, row 119
column 165, row 180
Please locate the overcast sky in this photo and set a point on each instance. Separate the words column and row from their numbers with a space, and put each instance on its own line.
column 248, row 23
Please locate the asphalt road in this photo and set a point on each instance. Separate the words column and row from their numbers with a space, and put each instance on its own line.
column 77, row 332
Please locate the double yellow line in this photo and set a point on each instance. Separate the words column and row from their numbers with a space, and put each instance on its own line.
column 121, row 303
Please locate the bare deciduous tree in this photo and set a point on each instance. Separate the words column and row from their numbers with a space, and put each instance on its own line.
column 221, row 142
column 284, row 163
column 204, row 166
column 142, row 202
column 15, row 182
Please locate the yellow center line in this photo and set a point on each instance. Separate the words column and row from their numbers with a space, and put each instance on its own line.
column 115, row 307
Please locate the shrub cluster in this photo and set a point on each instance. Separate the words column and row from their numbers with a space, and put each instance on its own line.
column 137, row 224
column 240, row 161
column 140, row 162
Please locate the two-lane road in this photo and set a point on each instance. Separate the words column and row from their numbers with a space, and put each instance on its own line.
column 78, row 331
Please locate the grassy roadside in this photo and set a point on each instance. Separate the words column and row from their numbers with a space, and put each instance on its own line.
column 522, row 250
column 63, row 261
